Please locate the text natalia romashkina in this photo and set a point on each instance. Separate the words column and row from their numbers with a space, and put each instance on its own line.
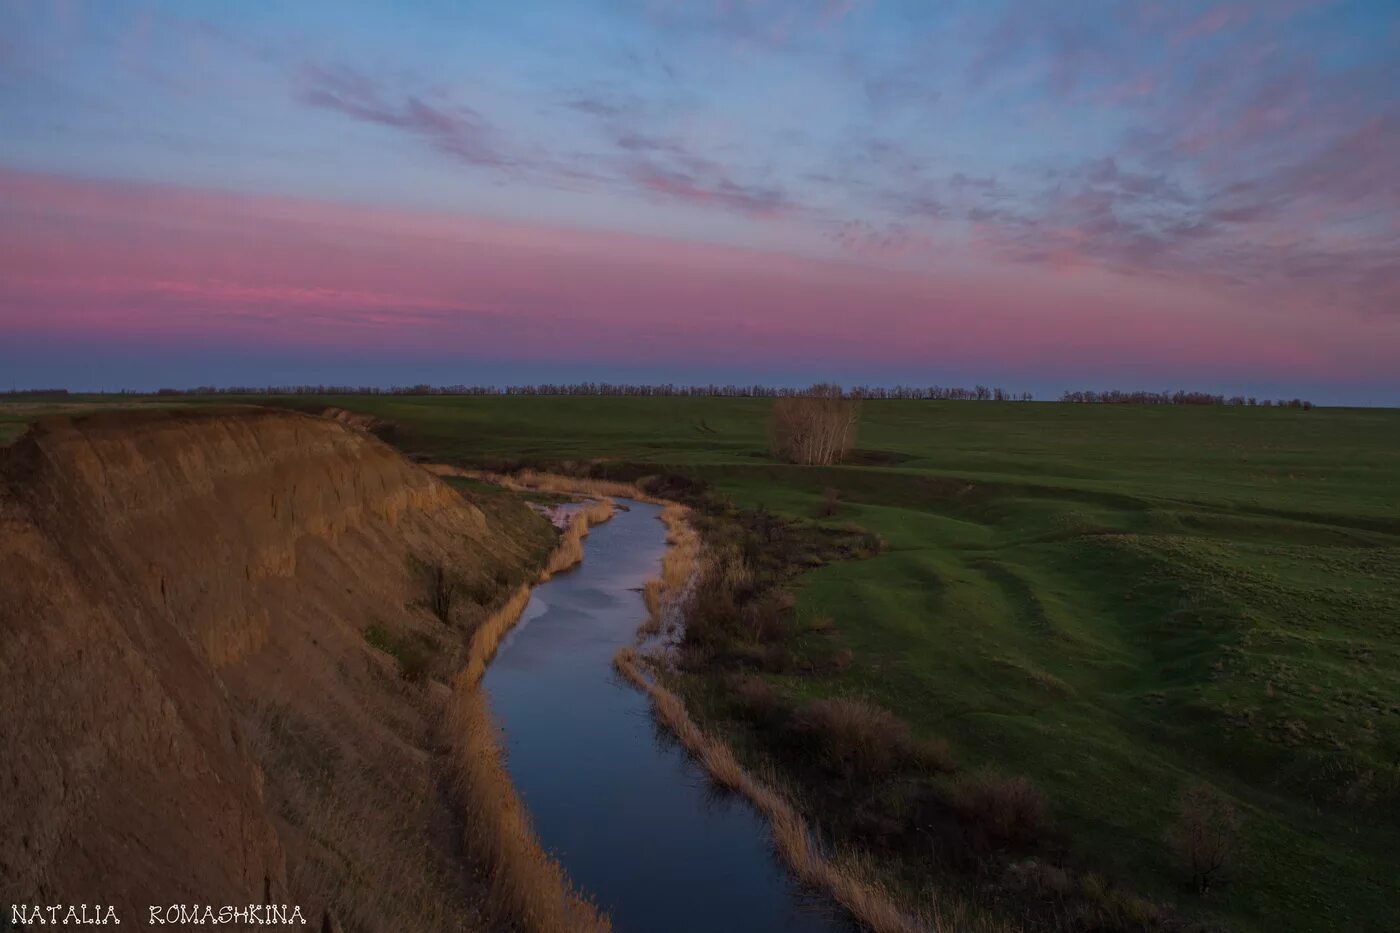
column 31, row 915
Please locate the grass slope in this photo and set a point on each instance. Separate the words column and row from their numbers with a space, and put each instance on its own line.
column 1111, row 600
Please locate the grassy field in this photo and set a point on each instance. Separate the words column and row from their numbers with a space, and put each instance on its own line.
column 1114, row 601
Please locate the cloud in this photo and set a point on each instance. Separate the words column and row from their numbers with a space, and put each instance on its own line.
column 715, row 189
column 644, row 156
column 959, row 181
column 887, row 241
column 638, row 159
column 454, row 130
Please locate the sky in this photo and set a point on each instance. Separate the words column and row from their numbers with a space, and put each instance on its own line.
column 1035, row 194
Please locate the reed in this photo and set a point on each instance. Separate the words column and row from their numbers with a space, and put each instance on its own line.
column 569, row 551
column 666, row 595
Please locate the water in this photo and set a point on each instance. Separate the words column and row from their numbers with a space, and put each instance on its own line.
column 634, row 822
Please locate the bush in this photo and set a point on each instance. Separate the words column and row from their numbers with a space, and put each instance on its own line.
column 755, row 698
column 442, row 588
column 412, row 652
column 853, row 737
column 723, row 585
column 933, row 755
column 817, row 427
column 765, row 616
column 1205, row 832
column 414, row 662
column 998, row 810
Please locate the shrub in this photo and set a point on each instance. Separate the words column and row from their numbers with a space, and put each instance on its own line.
column 1205, row 832
column 414, row 662
column 413, row 653
column 773, row 658
column 755, row 698
column 764, row 617
column 723, row 585
column 1101, row 906
column 998, row 810
column 856, row 738
column 933, row 755
column 442, row 588
column 817, row 427
column 1040, row 878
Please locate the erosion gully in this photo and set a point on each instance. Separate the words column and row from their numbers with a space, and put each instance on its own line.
column 635, row 823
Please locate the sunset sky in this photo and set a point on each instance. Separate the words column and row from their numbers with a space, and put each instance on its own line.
column 1041, row 195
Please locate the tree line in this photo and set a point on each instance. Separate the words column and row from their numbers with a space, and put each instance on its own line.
column 1179, row 397
column 979, row 393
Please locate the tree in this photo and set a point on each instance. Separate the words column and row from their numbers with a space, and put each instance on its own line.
column 1205, row 832
column 817, row 426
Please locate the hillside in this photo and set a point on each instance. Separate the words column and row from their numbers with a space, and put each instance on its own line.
column 220, row 671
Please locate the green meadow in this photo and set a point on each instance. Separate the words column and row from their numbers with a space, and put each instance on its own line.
column 1114, row 601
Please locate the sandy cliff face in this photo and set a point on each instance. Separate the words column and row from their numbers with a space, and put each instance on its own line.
column 191, row 712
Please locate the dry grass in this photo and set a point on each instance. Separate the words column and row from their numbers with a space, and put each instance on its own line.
column 853, row 736
column 666, row 595
column 756, row 698
column 487, row 637
column 355, row 831
column 845, row 880
column 999, row 810
column 724, row 582
column 569, row 551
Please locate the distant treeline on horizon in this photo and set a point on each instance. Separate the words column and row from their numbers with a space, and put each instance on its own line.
column 1179, row 397
column 979, row 393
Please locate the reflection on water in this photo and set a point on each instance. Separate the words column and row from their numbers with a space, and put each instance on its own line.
column 634, row 822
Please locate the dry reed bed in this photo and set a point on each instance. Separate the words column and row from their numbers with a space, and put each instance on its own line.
column 569, row 551
column 528, row 888
column 665, row 595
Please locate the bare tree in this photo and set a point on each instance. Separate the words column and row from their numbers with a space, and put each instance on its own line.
column 816, row 427
column 1205, row 832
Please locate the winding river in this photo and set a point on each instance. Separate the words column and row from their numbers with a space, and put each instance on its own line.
column 635, row 823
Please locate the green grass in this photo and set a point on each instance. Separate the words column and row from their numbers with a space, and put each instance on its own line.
column 1113, row 601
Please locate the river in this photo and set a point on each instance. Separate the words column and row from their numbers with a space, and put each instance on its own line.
column 635, row 823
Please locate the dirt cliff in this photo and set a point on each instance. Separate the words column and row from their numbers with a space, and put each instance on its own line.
column 220, row 669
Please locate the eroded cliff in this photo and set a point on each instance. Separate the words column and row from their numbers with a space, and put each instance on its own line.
column 192, row 711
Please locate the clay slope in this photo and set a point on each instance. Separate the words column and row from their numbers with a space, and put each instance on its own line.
column 192, row 711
